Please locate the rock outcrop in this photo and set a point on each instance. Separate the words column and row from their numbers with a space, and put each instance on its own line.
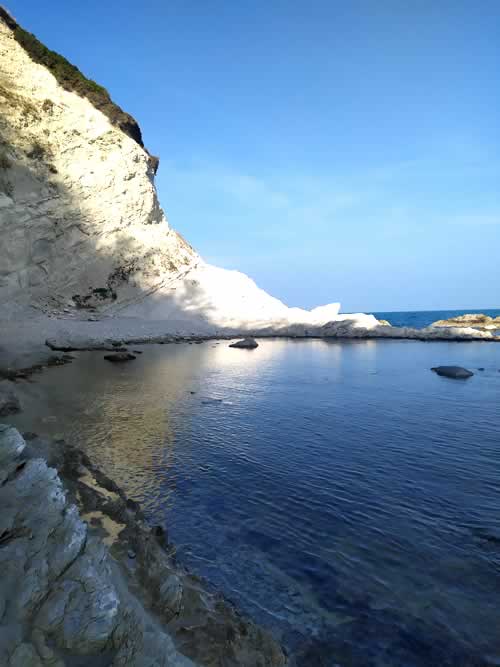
column 85, row 581
column 474, row 320
column 454, row 372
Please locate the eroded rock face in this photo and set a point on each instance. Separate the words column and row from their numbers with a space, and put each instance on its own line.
column 79, row 214
column 65, row 589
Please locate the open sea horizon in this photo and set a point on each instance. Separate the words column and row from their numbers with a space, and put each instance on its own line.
column 424, row 318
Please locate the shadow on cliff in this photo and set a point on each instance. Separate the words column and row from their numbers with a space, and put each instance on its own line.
column 59, row 252
column 55, row 256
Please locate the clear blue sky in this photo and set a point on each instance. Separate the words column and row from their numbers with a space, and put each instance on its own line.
column 331, row 150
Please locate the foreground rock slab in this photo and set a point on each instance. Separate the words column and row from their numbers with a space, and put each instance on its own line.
column 70, row 594
column 455, row 372
column 245, row 344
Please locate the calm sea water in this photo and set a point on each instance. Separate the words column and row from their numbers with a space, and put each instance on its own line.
column 339, row 492
column 423, row 318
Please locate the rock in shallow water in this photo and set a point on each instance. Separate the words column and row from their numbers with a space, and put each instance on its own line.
column 119, row 357
column 245, row 344
column 455, row 372
column 9, row 402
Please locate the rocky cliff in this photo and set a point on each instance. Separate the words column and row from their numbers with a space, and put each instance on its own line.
column 80, row 222
column 79, row 214
column 81, row 227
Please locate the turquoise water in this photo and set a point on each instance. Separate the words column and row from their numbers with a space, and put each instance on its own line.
column 339, row 492
column 423, row 318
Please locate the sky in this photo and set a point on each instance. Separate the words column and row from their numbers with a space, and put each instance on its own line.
column 333, row 151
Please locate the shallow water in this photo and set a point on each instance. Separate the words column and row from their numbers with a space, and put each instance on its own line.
column 339, row 492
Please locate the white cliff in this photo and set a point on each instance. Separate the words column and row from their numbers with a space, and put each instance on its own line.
column 79, row 215
column 81, row 227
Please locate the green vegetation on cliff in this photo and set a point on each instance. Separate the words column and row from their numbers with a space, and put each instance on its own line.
column 70, row 78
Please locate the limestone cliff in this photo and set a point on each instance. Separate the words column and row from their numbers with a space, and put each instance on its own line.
column 80, row 221
column 79, row 214
column 81, row 226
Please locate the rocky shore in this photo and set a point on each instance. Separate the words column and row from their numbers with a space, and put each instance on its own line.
column 473, row 320
column 85, row 581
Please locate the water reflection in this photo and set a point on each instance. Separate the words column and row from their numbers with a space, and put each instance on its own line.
column 338, row 491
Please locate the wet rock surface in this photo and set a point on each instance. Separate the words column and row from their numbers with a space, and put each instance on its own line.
column 70, row 592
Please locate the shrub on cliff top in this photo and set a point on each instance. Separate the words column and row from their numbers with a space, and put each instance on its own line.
column 70, row 78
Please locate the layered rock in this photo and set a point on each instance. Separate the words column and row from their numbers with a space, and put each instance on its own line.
column 79, row 213
column 81, row 226
column 85, row 581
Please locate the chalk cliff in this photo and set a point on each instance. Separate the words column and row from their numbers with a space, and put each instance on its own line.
column 78, row 206
column 81, row 227
column 80, row 221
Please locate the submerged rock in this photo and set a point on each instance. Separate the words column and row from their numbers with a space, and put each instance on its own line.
column 119, row 357
column 455, row 372
column 9, row 402
column 245, row 344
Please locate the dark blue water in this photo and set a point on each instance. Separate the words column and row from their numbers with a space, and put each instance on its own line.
column 339, row 492
column 424, row 318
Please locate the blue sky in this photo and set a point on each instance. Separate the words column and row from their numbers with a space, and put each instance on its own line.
column 331, row 150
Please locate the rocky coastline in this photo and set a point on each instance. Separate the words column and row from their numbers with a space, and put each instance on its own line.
column 86, row 581
column 478, row 321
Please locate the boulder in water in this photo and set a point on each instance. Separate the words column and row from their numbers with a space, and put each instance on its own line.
column 245, row 344
column 455, row 372
column 118, row 357
column 9, row 402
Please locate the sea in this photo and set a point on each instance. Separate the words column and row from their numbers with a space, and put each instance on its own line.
column 340, row 493
column 424, row 318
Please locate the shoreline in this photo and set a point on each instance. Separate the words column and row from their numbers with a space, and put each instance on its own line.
column 29, row 344
column 89, row 488
column 133, row 563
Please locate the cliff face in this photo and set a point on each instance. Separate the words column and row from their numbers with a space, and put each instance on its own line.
column 79, row 214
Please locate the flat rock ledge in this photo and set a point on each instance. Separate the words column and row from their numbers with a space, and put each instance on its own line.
column 86, row 582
